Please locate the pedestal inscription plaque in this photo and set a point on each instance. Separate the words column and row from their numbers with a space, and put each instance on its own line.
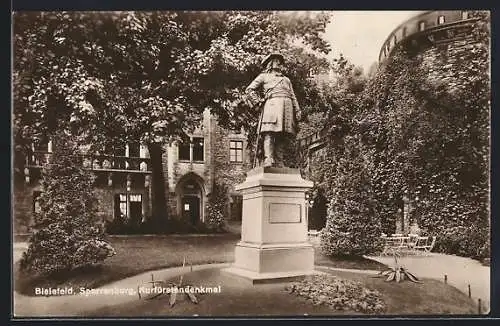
column 284, row 213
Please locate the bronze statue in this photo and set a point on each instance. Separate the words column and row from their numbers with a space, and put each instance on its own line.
column 272, row 92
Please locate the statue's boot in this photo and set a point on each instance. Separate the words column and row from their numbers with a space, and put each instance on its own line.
column 268, row 145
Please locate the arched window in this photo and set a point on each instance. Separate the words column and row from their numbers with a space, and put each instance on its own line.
column 421, row 26
column 394, row 39
column 441, row 20
column 404, row 31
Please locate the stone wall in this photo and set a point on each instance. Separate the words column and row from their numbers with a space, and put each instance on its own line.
column 227, row 172
column 22, row 198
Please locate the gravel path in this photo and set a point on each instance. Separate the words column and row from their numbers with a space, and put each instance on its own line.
column 460, row 272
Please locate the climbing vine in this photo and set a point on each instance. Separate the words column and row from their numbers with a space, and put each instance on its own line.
column 418, row 128
column 432, row 139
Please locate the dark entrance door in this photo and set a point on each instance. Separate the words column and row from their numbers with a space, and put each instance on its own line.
column 135, row 212
column 191, row 208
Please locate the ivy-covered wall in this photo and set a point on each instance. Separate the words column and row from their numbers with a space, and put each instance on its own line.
column 418, row 128
column 431, row 127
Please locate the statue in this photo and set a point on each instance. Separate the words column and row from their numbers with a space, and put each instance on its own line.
column 272, row 92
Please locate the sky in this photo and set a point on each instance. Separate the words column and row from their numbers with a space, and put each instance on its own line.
column 359, row 35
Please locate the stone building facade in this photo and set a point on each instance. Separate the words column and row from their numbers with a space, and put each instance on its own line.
column 123, row 180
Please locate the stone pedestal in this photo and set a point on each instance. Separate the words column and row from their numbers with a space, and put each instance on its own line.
column 274, row 243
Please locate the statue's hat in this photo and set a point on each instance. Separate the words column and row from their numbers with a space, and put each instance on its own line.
column 274, row 55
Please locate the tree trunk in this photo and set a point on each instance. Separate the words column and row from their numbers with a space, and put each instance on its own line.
column 158, row 199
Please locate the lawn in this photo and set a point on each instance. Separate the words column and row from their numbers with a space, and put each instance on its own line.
column 429, row 297
column 239, row 298
column 137, row 254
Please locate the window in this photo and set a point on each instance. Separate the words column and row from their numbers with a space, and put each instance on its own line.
column 440, row 20
column 465, row 15
column 135, row 198
column 36, row 202
column 122, row 205
column 125, row 207
column 184, row 152
column 404, row 31
column 134, row 150
column 421, row 26
column 195, row 149
column 198, row 149
column 236, row 151
column 394, row 40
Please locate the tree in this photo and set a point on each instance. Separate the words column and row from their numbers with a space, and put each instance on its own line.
column 343, row 172
column 112, row 77
column 67, row 232
column 342, row 106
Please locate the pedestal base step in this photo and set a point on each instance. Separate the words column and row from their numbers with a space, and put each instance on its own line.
column 261, row 278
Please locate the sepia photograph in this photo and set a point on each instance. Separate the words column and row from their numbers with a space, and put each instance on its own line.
column 262, row 163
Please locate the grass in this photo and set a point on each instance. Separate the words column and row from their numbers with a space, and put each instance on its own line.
column 347, row 262
column 137, row 254
column 408, row 298
column 239, row 298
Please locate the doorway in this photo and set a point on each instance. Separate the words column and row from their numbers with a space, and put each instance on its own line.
column 190, row 198
column 191, row 209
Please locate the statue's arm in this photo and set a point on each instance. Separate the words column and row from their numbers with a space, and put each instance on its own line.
column 253, row 88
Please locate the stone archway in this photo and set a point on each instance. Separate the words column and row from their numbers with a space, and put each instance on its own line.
column 190, row 193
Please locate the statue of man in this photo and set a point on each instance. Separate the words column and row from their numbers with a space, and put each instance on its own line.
column 280, row 110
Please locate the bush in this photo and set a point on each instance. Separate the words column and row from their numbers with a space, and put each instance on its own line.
column 353, row 225
column 67, row 233
column 463, row 241
column 485, row 251
column 216, row 208
column 174, row 225
column 120, row 225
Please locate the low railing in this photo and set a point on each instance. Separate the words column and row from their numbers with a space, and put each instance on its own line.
column 97, row 162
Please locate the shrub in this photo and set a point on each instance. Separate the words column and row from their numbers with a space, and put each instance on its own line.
column 353, row 226
column 120, row 225
column 67, row 232
column 216, row 207
column 485, row 251
column 463, row 241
